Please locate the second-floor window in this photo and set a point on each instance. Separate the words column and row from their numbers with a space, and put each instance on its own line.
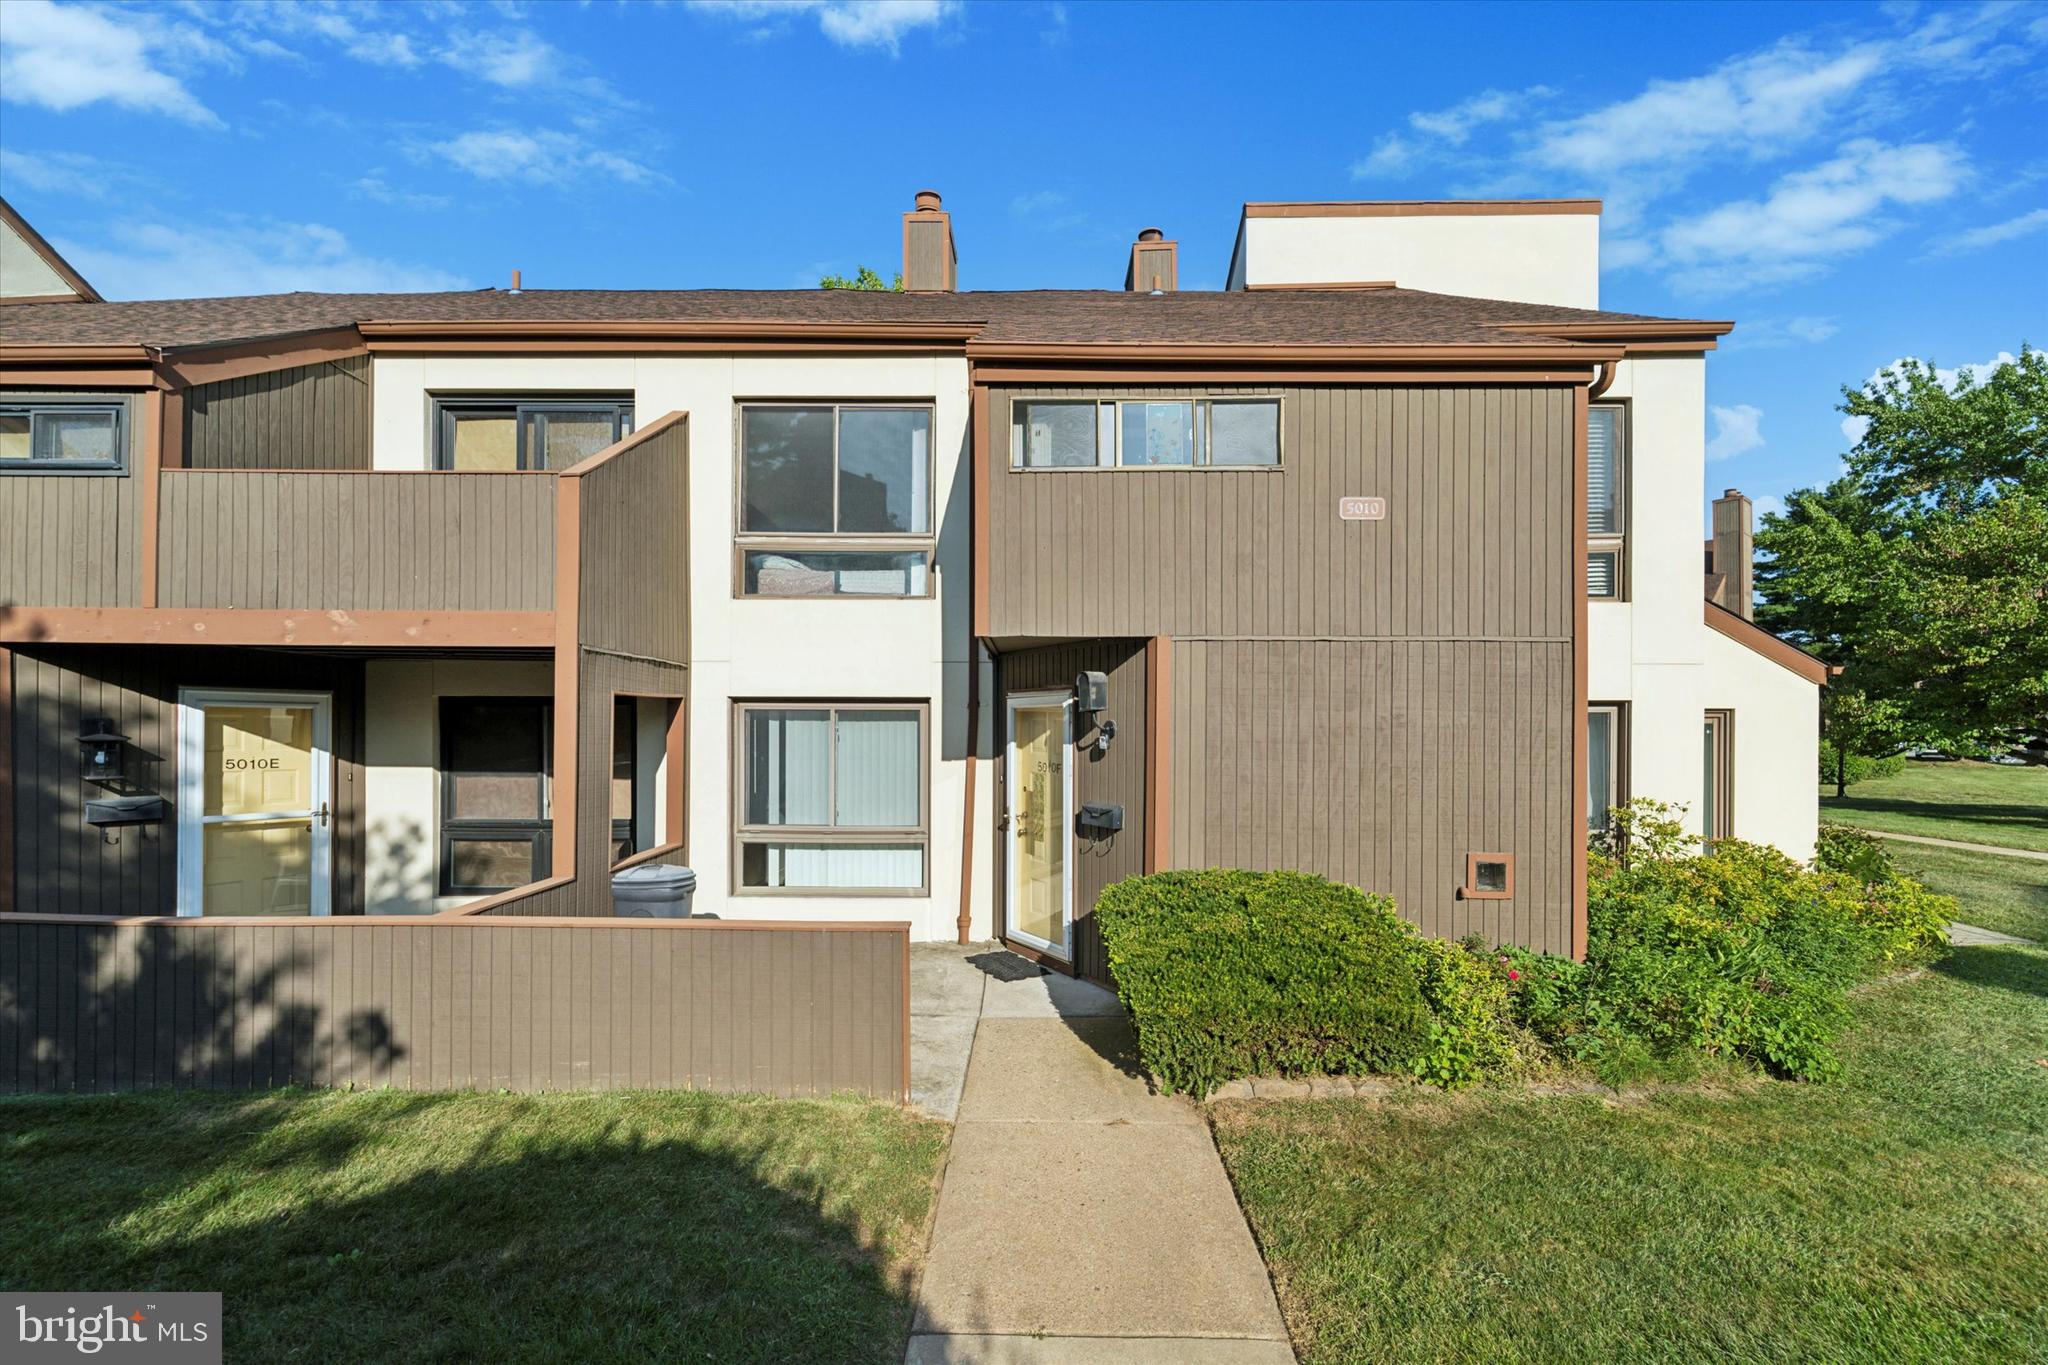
column 1607, row 502
column 47, row 437
column 1143, row 433
column 517, row 433
column 835, row 500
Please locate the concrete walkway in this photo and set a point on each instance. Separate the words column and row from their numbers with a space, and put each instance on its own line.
column 1970, row 936
column 1082, row 1217
column 1958, row 843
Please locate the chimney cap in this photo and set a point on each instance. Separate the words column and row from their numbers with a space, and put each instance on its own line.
column 1731, row 492
column 1151, row 234
column 927, row 201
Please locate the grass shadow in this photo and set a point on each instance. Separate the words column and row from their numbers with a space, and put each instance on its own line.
column 445, row 1227
column 2006, row 967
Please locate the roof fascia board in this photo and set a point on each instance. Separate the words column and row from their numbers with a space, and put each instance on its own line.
column 1494, row 355
column 1418, row 208
column 1755, row 638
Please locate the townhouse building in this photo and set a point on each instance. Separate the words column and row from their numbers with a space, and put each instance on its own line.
column 940, row 606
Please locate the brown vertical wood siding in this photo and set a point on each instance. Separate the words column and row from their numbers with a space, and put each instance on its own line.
column 1476, row 542
column 307, row 417
column 74, row 540
column 1371, row 700
column 1117, row 776
column 63, row 865
column 357, row 542
column 634, row 588
column 466, row 1004
column 1382, row 764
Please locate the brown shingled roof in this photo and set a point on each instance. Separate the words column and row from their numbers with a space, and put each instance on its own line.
column 1305, row 317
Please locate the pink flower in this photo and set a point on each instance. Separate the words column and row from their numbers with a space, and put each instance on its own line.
column 1514, row 975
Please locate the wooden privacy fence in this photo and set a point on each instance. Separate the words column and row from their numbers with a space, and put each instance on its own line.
column 94, row 1005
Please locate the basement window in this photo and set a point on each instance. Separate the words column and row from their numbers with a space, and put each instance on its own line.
column 1145, row 433
column 1488, row 877
column 1606, row 502
column 506, row 434
column 60, row 437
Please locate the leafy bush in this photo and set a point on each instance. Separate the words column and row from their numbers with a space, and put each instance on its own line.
column 1736, row 953
column 1846, row 770
column 1471, row 1032
column 1230, row 974
column 1848, row 851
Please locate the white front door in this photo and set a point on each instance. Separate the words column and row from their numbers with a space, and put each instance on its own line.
column 1039, row 906
column 254, row 812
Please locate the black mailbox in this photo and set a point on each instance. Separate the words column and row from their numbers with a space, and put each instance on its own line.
column 125, row 810
column 1100, row 817
column 1091, row 692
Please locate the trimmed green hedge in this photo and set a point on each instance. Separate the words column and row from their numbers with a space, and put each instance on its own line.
column 1231, row 973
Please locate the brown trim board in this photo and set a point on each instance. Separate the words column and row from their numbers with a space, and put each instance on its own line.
column 209, row 364
column 1581, row 686
column 6, row 781
column 1755, row 638
column 317, row 628
column 1417, row 208
column 151, row 450
column 1158, row 752
column 1230, row 354
column 465, row 917
column 568, row 664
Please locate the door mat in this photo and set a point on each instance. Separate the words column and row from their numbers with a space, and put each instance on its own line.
column 1006, row 966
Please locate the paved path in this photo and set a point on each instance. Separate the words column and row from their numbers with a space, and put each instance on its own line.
column 1082, row 1218
column 1970, row 936
column 1958, row 843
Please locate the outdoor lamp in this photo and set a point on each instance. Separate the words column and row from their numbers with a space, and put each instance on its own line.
column 102, row 751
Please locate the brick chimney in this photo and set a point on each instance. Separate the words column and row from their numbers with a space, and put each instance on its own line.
column 930, row 264
column 1155, row 264
column 1731, row 556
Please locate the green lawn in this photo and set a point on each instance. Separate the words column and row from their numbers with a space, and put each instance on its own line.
column 2006, row 894
column 396, row 1226
column 1899, row 1214
column 1981, row 803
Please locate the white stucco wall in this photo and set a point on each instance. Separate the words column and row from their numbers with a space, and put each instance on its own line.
column 1529, row 258
column 763, row 649
column 1654, row 650
column 1777, row 744
column 24, row 274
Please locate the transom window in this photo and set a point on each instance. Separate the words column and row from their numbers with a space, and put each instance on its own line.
column 60, row 437
column 1606, row 502
column 1144, row 433
column 831, row 799
column 835, row 500
column 519, row 433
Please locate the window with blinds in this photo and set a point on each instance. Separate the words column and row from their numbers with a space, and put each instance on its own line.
column 831, row 799
column 1606, row 502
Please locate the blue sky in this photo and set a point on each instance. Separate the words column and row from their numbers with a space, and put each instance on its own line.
column 1851, row 183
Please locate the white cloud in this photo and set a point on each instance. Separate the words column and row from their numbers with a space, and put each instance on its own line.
column 1853, row 428
column 1992, row 234
column 1770, row 334
column 1737, row 431
column 1810, row 216
column 68, row 57
column 849, row 23
column 1455, row 124
column 155, row 260
column 72, row 173
column 1435, row 130
column 1037, row 201
column 375, row 188
column 1768, row 504
column 1948, row 379
column 1754, row 105
column 543, row 157
column 514, row 60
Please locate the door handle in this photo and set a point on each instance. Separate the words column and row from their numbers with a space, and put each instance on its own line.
column 320, row 815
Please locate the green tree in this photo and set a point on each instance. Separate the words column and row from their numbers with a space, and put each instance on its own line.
column 1855, row 730
column 863, row 279
column 1923, row 569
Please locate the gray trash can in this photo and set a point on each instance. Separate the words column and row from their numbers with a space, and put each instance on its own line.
column 653, row 891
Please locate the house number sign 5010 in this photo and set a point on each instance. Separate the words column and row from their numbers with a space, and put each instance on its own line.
column 1361, row 509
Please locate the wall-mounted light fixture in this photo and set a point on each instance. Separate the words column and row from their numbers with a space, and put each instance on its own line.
column 102, row 752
